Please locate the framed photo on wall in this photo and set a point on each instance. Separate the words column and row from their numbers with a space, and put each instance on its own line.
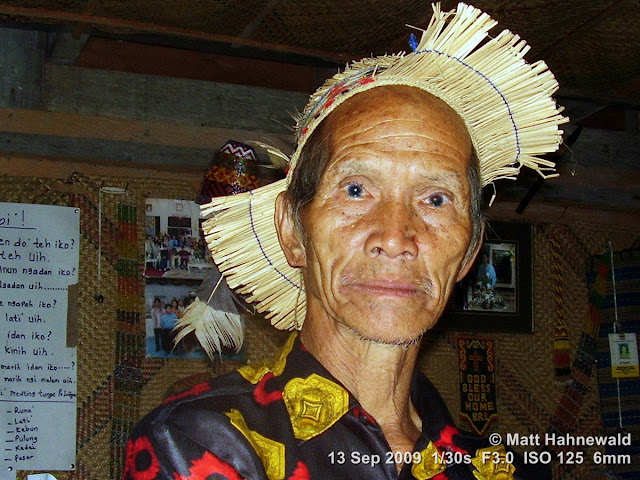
column 496, row 295
column 177, row 260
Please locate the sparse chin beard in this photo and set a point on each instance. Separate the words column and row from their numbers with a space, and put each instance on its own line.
column 386, row 343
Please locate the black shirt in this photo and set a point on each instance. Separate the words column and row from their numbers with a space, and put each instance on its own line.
column 291, row 419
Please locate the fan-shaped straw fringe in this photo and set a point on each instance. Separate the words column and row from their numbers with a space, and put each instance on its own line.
column 242, row 239
column 505, row 103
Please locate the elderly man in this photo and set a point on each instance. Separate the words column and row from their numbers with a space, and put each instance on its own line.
column 486, row 274
column 379, row 218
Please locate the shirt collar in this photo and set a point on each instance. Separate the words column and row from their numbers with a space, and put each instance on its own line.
column 316, row 400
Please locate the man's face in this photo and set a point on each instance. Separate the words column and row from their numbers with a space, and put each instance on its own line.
column 385, row 236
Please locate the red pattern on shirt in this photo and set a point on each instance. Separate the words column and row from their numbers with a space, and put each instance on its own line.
column 260, row 393
column 197, row 390
column 206, row 466
column 134, row 460
column 301, row 472
column 446, row 440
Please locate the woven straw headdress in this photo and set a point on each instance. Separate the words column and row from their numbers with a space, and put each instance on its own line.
column 505, row 102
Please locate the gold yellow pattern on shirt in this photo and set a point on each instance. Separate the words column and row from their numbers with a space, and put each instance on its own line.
column 493, row 465
column 270, row 452
column 431, row 463
column 314, row 404
column 254, row 373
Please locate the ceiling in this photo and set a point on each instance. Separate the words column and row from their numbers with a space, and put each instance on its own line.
column 591, row 45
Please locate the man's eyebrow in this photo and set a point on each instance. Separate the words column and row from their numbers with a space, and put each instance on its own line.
column 348, row 165
column 353, row 164
column 440, row 176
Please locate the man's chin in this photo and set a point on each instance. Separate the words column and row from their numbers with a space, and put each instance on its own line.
column 390, row 340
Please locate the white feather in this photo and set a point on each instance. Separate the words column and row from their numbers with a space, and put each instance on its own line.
column 216, row 321
column 278, row 158
column 214, row 329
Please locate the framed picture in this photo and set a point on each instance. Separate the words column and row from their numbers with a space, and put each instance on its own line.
column 496, row 295
column 177, row 260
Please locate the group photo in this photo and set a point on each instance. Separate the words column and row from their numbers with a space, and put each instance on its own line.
column 176, row 261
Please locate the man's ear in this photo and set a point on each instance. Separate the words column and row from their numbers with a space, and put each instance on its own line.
column 288, row 235
column 470, row 258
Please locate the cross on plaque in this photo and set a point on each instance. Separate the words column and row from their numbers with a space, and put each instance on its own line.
column 475, row 358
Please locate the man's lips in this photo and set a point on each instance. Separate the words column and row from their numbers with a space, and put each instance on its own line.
column 387, row 288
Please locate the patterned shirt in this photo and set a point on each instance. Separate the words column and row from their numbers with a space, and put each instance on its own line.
column 291, row 419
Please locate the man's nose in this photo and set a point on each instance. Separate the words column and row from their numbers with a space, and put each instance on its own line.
column 393, row 231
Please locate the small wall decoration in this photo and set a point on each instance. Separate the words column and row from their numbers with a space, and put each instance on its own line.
column 624, row 355
column 496, row 294
column 233, row 170
column 476, row 361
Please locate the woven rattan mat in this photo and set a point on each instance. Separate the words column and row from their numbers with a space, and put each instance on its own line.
column 117, row 384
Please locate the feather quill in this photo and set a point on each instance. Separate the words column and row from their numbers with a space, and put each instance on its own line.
column 214, row 317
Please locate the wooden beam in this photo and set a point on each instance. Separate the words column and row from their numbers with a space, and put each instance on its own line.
column 590, row 187
column 144, row 27
column 589, row 23
column 54, row 167
column 142, row 58
column 89, row 9
column 248, row 30
column 62, row 168
column 632, row 87
column 594, row 176
column 566, row 213
column 578, row 110
column 73, row 125
column 603, row 97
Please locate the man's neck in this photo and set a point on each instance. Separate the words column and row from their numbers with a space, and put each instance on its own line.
column 378, row 375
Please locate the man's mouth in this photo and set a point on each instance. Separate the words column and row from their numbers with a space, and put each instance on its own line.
column 388, row 288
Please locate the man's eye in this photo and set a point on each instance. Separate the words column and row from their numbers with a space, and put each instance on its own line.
column 437, row 199
column 354, row 190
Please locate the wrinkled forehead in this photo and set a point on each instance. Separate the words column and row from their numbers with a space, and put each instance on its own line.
column 394, row 102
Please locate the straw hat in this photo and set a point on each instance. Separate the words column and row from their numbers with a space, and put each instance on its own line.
column 505, row 102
